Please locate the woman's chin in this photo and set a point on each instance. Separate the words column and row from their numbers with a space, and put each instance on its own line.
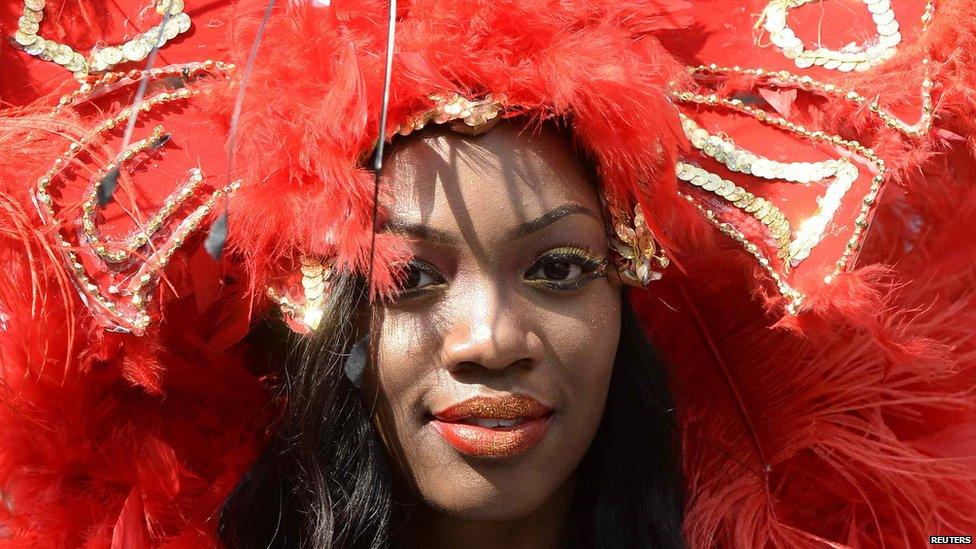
column 477, row 499
column 488, row 488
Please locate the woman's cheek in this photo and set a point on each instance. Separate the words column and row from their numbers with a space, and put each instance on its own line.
column 584, row 342
column 406, row 350
column 589, row 329
column 403, row 359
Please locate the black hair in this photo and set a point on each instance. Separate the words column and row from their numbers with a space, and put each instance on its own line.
column 630, row 492
column 324, row 480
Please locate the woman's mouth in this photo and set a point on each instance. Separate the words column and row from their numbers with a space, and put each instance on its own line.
column 494, row 427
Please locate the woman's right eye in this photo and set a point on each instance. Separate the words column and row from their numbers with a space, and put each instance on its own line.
column 419, row 276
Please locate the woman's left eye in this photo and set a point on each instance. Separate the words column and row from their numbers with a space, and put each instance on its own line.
column 564, row 269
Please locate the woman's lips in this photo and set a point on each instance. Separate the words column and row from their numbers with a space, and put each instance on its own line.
column 496, row 427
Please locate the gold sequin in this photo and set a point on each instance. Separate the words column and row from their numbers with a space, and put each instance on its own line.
column 740, row 160
column 762, row 210
column 100, row 60
column 787, row 79
column 793, row 297
column 122, row 306
column 776, row 222
column 854, row 56
column 314, row 288
column 472, row 117
column 638, row 259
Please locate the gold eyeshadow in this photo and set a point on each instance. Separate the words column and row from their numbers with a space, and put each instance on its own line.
column 575, row 252
column 423, row 267
column 592, row 266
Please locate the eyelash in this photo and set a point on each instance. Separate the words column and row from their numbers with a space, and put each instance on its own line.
column 592, row 266
column 425, row 268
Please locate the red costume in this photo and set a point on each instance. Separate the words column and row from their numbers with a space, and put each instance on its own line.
column 814, row 203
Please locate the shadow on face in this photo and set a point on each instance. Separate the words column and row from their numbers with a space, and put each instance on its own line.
column 505, row 296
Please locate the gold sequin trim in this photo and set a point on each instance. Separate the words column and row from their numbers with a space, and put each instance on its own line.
column 759, row 208
column 468, row 116
column 314, row 288
column 122, row 307
column 852, row 146
column 113, row 251
column 741, row 160
column 853, row 57
column 794, row 298
column 103, row 58
column 786, row 79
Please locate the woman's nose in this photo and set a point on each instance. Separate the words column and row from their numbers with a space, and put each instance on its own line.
column 489, row 331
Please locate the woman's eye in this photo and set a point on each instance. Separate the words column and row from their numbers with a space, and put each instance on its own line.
column 419, row 276
column 559, row 269
column 564, row 269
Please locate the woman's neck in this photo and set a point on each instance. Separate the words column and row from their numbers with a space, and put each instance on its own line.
column 544, row 528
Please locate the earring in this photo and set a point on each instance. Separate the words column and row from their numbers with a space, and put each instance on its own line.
column 355, row 365
column 637, row 256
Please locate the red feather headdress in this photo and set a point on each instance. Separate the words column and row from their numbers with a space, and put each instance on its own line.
column 805, row 168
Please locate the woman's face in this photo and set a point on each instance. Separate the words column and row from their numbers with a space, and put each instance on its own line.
column 504, row 303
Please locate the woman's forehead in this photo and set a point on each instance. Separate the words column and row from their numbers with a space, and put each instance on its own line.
column 505, row 176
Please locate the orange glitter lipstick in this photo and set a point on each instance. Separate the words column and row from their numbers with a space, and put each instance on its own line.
column 494, row 427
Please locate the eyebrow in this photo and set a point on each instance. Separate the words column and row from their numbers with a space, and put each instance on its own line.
column 422, row 232
column 549, row 218
column 437, row 236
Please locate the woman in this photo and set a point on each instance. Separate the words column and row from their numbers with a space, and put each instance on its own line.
column 787, row 220
column 505, row 314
